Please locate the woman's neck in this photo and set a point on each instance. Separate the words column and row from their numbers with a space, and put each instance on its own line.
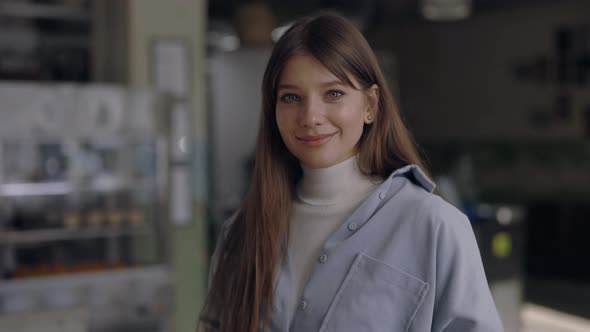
column 337, row 184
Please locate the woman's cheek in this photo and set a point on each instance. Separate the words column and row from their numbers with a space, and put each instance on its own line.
column 282, row 126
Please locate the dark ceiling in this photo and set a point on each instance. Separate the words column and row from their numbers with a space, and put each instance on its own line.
column 376, row 11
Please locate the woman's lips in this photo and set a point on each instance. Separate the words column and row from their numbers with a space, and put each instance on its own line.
column 315, row 140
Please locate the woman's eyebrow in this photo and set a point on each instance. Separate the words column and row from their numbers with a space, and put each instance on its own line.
column 287, row 86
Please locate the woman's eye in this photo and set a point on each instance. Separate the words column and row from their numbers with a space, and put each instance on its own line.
column 334, row 94
column 289, row 98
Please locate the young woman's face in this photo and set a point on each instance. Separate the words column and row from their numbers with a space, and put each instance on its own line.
column 320, row 118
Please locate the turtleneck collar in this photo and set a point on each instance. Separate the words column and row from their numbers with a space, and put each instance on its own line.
column 338, row 184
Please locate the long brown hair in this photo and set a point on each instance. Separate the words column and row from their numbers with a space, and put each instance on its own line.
column 242, row 288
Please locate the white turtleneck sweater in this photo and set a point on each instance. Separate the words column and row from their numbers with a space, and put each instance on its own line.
column 325, row 198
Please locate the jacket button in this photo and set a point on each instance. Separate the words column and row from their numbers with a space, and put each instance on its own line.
column 323, row 258
column 352, row 226
column 381, row 195
column 303, row 305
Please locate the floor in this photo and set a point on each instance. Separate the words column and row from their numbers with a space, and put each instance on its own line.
column 537, row 318
column 549, row 305
column 568, row 296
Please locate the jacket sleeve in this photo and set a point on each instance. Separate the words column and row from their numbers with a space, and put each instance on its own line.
column 463, row 302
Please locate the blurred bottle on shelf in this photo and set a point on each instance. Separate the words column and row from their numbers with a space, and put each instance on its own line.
column 52, row 162
column 71, row 217
column 115, row 210
column 55, row 214
column 95, row 214
column 135, row 216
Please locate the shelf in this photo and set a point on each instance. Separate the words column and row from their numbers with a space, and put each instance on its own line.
column 58, row 234
column 35, row 189
column 31, row 10
column 105, row 184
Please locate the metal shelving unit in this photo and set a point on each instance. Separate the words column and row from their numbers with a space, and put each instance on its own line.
column 46, row 41
column 83, row 205
column 16, row 238
column 104, row 185
column 46, row 11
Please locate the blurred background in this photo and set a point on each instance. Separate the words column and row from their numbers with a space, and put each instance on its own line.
column 127, row 132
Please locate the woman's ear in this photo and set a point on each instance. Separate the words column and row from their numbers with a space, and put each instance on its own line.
column 372, row 103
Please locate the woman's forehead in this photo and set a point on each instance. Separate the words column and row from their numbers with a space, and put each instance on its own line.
column 303, row 69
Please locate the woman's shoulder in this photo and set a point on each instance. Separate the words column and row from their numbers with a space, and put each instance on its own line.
column 444, row 226
column 417, row 197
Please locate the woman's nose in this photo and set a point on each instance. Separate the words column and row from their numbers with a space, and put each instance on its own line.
column 311, row 113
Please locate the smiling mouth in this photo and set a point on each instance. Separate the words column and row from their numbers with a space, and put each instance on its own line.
column 315, row 140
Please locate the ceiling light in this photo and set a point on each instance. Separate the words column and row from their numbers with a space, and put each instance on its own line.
column 446, row 10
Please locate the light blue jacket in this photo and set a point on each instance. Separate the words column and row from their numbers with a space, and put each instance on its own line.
column 405, row 260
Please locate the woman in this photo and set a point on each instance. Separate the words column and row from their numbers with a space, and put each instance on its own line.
column 340, row 230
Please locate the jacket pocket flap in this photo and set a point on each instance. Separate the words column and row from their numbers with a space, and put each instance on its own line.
column 375, row 296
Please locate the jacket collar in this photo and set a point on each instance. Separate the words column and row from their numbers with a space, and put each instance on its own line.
column 416, row 175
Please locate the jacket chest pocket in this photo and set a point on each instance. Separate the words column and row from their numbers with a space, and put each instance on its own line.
column 374, row 297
